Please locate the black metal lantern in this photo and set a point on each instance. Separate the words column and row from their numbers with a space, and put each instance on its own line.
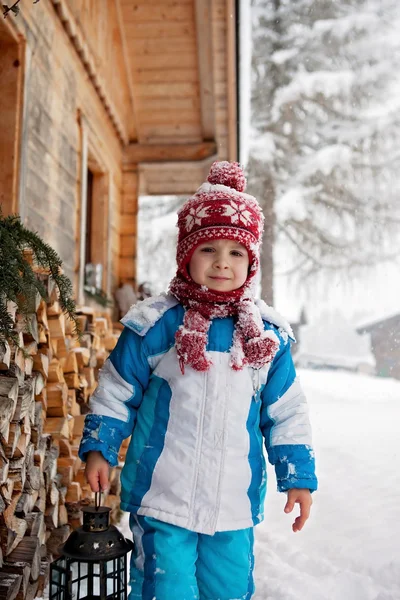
column 93, row 561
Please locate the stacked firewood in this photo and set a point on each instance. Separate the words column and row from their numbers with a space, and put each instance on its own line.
column 45, row 384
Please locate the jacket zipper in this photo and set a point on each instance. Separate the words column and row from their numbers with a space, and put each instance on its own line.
column 223, row 455
column 199, row 449
column 256, row 383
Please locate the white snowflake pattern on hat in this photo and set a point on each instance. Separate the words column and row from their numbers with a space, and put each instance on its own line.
column 220, row 209
column 238, row 212
column 194, row 216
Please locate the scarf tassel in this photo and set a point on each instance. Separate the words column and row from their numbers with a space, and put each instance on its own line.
column 260, row 350
column 191, row 346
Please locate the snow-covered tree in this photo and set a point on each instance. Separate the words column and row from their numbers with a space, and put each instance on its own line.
column 326, row 130
column 157, row 240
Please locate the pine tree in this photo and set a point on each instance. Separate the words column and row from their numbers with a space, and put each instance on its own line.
column 325, row 119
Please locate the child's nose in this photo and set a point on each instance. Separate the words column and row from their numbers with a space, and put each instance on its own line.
column 221, row 261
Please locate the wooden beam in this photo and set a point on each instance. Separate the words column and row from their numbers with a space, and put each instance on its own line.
column 152, row 153
column 173, row 178
column 77, row 39
column 83, row 206
column 128, row 67
column 205, row 64
column 231, row 79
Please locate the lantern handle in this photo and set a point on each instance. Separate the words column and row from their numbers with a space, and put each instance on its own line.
column 97, row 500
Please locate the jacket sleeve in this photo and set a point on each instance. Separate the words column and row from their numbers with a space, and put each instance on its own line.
column 122, row 381
column 285, row 425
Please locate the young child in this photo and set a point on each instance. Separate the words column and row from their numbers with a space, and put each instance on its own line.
column 199, row 378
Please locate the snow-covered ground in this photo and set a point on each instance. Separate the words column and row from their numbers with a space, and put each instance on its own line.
column 350, row 548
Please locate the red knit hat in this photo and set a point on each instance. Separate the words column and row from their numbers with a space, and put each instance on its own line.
column 220, row 210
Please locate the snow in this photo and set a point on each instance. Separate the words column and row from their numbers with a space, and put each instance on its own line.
column 271, row 315
column 349, row 548
column 157, row 238
column 292, row 204
column 263, row 146
column 308, row 85
column 365, row 297
column 281, row 56
column 348, row 25
column 325, row 95
column 333, row 341
column 326, row 160
column 147, row 312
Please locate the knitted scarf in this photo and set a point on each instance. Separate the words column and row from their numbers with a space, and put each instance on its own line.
column 252, row 346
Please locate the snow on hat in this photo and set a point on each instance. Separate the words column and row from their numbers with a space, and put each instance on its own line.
column 220, row 210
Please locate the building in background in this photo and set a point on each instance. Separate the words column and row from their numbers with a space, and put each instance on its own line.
column 332, row 342
column 385, row 342
column 103, row 101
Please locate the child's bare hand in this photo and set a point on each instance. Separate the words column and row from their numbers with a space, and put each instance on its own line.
column 97, row 471
column 302, row 497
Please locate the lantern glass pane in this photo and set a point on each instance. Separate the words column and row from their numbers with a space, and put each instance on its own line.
column 115, row 577
column 76, row 580
column 58, row 583
column 79, row 580
column 96, row 579
column 111, row 573
column 114, row 584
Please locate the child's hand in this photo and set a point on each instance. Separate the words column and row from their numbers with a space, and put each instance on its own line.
column 97, row 471
column 302, row 497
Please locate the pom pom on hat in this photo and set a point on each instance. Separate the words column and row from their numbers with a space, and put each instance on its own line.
column 229, row 174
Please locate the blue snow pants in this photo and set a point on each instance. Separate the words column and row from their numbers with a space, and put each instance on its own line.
column 172, row 563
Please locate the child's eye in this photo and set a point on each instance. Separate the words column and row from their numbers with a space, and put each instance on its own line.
column 207, row 249
column 236, row 253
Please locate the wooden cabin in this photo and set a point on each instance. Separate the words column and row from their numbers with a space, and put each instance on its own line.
column 385, row 344
column 100, row 101
column 104, row 100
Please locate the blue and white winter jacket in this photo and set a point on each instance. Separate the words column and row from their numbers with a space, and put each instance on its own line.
column 195, row 458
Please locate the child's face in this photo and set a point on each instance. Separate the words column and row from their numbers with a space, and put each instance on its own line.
column 221, row 265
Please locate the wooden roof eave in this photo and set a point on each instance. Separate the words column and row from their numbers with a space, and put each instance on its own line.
column 159, row 153
column 173, row 178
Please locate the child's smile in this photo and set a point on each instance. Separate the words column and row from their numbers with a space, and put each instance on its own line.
column 221, row 265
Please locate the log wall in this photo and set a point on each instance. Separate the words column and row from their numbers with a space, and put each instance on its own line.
column 58, row 92
column 45, row 384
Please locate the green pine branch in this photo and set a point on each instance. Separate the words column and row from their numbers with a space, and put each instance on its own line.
column 14, row 8
column 18, row 281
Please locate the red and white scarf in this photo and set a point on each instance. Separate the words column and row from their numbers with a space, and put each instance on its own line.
column 252, row 346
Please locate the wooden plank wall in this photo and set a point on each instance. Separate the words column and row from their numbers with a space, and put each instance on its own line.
column 101, row 27
column 57, row 89
column 11, row 76
column 161, row 43
column 128, row 227
column 145, row 53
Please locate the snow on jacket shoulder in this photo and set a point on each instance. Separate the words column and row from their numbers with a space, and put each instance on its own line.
column 195, row 457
